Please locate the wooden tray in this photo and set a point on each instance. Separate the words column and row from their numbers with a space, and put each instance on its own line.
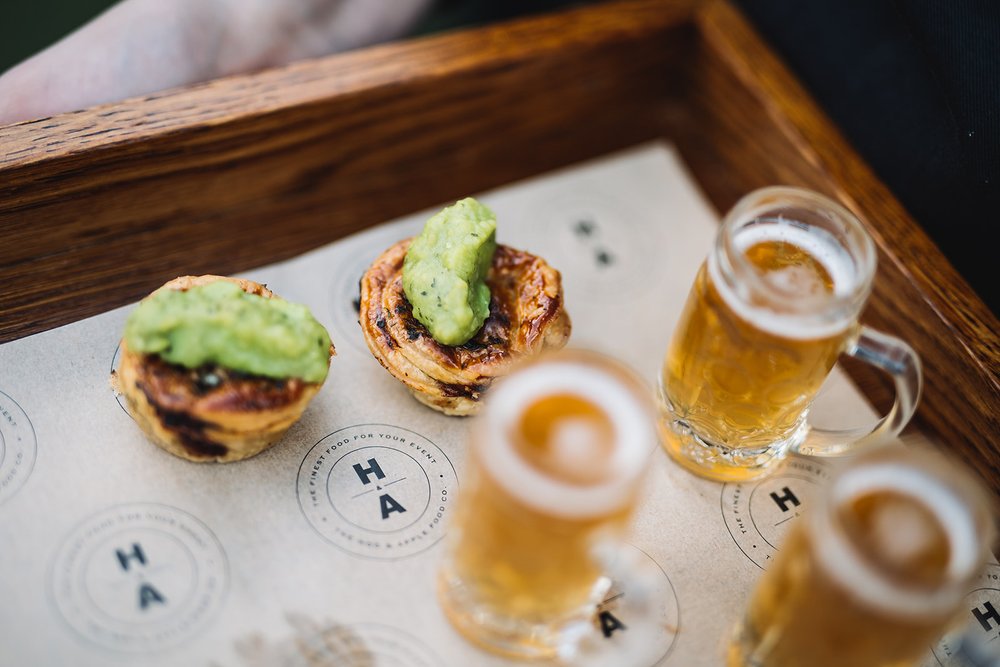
column 100, row 206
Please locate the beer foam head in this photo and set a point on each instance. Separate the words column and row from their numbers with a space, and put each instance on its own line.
column 899, row 532
column 573, row 442
column 795, row 304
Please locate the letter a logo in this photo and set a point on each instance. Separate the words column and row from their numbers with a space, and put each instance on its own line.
column 609, row 623
column 148, row 595
column 389, row 505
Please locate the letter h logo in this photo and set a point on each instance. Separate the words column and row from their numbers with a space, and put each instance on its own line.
column 387, row 504
column 364, row 474
column 786, row 501
column 987, row 616
column 147, row 593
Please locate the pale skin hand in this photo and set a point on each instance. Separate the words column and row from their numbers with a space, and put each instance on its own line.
column 142, row 46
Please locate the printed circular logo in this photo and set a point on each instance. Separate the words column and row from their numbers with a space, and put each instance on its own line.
column 140, row 577
column 349, row 265
column 636, row 627
column 346, row 294
column 759, row 513
column 17, row 447
column 377, row 490
column 596, row 242
column 389, row 646
column 115, row 360
column 978, row 632
column 326, row 644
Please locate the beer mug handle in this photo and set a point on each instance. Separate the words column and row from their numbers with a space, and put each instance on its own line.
column 896, row 358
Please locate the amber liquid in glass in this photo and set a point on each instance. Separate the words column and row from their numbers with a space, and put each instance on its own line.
column 532, row 562
column 805, row 613
column 744, row 383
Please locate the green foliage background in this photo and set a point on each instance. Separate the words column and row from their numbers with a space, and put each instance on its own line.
column 27, row 26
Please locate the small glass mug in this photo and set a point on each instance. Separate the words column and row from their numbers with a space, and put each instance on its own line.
column 773, row 306
column 550, row 485
column 877, row 569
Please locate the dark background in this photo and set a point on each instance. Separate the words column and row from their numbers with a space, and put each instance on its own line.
column 913, row 84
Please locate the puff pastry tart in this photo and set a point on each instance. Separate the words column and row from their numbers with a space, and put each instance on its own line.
column 526, row 316
column 207, row 410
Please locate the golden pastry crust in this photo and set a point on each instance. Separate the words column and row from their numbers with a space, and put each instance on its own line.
column 209, row 413
column 526, row 317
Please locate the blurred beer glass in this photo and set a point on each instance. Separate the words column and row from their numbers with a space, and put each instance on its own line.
column 551, row 482
column 774, row 304
column 877, row 570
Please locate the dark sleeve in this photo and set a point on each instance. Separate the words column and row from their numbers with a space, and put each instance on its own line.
column 915, row 86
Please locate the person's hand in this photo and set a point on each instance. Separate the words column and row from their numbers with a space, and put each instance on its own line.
column 142, row 46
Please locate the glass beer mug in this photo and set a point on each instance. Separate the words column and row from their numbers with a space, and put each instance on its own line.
column 551, row 482
column 875, row 572
column 773, row 306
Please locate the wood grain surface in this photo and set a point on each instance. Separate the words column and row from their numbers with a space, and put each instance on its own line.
column 100, row 206
column 766, row 129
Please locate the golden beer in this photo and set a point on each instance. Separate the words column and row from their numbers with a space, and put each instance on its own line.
column 874, row 575
column 549, row 489
column 771, row 309
column 743, row 380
